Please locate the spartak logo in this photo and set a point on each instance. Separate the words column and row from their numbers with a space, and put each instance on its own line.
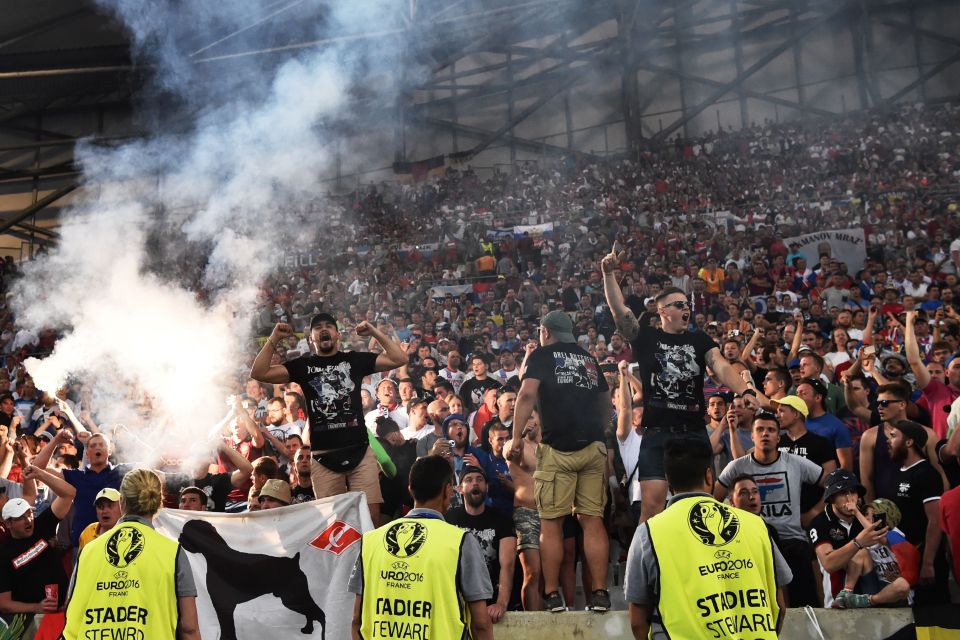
column 336, row 538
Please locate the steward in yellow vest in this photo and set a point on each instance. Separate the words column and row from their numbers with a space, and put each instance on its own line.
column 701, row 568
column 419, row 578
column 130, row 582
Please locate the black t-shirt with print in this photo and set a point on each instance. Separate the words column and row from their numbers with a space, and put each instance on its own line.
column 217, row 486
column 472, row 390
column 570, row 382
column 915, row 486
column 671, row 368
column 814, row 448
column 27, row 564
column 299, row 494
column 331, row 389
column 489, row 528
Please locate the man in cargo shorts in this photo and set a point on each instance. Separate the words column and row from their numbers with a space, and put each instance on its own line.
column 566, row 382
column 522, row 463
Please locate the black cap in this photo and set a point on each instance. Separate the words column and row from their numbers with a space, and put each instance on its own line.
column 841, row 480
column 914, row 431
column 323, row 316
column 472, row 469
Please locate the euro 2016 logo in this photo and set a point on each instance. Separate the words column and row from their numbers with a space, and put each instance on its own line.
column 404, row 539
column 713, row 523
column 124, row 546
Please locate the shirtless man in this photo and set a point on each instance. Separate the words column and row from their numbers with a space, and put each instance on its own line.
column 522, row 462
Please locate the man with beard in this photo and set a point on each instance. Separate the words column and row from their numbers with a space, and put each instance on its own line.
column 302, row 491
column 451, row 372
column 671, row 365
column 937, row 395
column 331, row 381
column 437, row 412
column 877, row 469
column 495, row 533
column 918, row 488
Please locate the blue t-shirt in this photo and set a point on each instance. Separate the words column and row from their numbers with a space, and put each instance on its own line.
column 88, row 484
column 832, row 428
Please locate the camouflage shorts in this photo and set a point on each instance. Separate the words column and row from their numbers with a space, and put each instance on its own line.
column 527, row 523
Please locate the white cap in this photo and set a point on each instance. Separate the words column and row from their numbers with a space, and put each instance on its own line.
column 15, row 508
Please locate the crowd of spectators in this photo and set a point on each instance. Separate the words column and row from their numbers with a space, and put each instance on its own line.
column 860, row 359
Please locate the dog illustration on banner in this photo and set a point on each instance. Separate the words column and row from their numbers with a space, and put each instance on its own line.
column 234, row 577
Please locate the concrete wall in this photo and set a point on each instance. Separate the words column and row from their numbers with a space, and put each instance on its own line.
column 861, row 624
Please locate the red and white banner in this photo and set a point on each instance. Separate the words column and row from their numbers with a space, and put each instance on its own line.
column 276, row 574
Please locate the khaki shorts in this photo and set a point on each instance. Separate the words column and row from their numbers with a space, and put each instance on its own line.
column 364, row 477
column 527, row 523
column 568, row 482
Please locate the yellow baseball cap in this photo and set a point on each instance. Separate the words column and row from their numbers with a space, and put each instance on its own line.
column 109, row 493
column 794, row 402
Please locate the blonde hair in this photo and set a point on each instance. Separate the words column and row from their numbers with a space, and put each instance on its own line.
column 142, row 492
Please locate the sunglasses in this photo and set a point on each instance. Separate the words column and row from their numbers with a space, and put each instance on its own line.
column 886, row 403
column 679, row 304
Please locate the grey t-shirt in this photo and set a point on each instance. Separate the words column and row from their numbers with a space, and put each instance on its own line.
column 643, row 575
column 473, row 580
column 183, row 580
column 779, row 484
column 13, row 489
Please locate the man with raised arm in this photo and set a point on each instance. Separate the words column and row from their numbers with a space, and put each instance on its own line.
column 671, row 365
column 331, row 379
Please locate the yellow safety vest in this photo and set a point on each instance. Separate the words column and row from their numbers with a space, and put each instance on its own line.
column 716, row 571
column 125, row 587
column 410, row 582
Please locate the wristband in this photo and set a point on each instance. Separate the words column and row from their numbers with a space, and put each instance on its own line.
column 857, row 544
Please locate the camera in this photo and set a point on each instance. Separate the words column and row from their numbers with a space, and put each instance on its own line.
column 452, row 443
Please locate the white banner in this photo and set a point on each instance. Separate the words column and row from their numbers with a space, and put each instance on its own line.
column 276, row 574
column 535, row 230
column 845, row 245
column 455, row 290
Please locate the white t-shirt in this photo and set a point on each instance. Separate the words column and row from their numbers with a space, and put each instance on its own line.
column 630, row 453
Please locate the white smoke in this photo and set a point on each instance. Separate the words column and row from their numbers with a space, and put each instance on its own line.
column 230, row 185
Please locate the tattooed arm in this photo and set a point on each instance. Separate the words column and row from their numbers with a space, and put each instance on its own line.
column 626, row 322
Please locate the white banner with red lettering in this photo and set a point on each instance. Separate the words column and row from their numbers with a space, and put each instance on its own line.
column 276, row 574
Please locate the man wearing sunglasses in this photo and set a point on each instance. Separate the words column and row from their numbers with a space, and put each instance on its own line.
column 671, row 363
column 878, row 470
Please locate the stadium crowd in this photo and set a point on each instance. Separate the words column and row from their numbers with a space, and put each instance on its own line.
column 841, row 436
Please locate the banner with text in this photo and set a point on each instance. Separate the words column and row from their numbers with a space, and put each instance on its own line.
column 845, row 245
column 280, row 573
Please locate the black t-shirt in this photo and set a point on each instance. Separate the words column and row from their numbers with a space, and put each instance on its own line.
column 27, row 564
column 671, row 368
column 331, row 389
column 827, row 528
column 814, row 448
column 489, row 528
column 472, row 390
column 950, row 467
column 915, row 486
column 570, row 381
column 300, row 494
column 217, row 486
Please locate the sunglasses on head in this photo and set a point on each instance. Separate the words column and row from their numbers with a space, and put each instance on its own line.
column 887, row 403
column 766, row 414
column 679, row 304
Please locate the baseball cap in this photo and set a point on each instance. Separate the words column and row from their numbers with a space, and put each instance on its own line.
column 450, row 418
column 560, row 326
column 794, row 403
column 276, row 489
column 914, row 431
column 109, row 493
column 794, row 364
column 323, row 316
column 390, row 380
column 15, row 508
column 472, row 469
column 841, row 480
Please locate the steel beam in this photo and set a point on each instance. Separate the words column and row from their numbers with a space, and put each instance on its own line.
column 748, row 72
column 36, row 207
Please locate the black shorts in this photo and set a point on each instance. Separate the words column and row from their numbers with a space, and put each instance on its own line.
column 650, row 461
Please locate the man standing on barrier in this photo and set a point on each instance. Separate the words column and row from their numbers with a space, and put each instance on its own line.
column 671, row 365
column 703, row 569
